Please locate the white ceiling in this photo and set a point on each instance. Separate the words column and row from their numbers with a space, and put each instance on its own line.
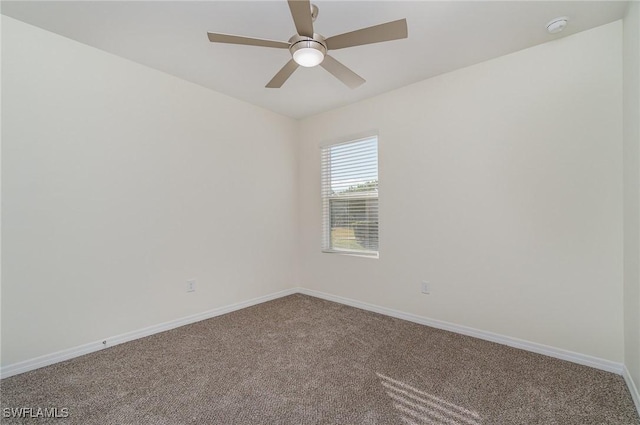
column 171, row 36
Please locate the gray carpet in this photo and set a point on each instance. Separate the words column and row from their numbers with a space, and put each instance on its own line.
column 302, row 360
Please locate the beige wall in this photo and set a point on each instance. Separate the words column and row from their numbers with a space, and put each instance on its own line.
column 500, row 184
column 119, row 184
column 631, row 73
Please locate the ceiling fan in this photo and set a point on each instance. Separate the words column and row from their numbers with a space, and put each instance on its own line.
column 309, row 49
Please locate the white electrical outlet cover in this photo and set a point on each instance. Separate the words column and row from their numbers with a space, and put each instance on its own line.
column 191, row 285
column 425, row 287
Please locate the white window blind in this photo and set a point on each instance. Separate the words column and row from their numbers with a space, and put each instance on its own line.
column 350, row 197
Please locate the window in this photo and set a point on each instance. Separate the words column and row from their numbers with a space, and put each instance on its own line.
column 350, row 197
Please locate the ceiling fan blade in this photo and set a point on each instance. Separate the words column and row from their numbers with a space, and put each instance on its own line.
column 342, row 73
column 237, row 39
column 384, row 32
column 278, row 80
column 301, row 13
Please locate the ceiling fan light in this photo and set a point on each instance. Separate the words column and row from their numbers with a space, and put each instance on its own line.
column 308, row 57
column 308, row 53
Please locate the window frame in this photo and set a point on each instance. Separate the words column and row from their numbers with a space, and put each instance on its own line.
column 326, row 199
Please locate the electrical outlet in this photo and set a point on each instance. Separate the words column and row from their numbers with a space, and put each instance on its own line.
column 191, row 285
column 424, row 287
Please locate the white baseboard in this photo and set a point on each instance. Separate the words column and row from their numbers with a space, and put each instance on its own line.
column 59, row 356
column 557, row 353
column 633, row 389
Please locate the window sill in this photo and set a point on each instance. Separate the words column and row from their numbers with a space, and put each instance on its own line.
column 375, row 255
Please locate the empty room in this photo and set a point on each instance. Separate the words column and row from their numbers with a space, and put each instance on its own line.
column 325, row 212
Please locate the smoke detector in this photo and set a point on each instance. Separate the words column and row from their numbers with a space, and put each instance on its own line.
column 557, row 25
